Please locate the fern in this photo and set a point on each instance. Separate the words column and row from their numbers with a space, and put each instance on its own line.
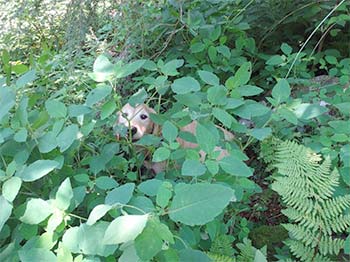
column 306, row 187
column 220, row 258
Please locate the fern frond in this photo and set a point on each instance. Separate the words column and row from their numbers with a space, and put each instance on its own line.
column 220, row 258
column 328, row 245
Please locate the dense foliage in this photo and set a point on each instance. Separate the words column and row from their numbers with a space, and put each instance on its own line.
column 268, row 71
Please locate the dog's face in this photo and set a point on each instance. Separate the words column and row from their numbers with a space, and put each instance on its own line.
column 137, row 120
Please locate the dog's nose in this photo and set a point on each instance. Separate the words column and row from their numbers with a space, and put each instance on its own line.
column 133, row 130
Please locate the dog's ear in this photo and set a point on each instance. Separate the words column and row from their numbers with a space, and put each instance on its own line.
column 156, row 127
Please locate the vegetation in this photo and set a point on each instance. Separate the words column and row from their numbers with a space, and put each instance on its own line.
column 275, row 73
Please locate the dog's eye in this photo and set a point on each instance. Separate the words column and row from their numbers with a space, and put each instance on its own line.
column 143, row 116
column 125, row 115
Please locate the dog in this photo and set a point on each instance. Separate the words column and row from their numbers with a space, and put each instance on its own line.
column 138, row 123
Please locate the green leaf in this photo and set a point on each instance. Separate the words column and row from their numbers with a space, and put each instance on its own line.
column 150, row 187
column 225, row 118
column 206, row 140
column 347, row 245
column 281, row 91
column 78, row 110
column 37, row 210
column 105, row 183
column 169, row 69
column 192, row 168
column 193, row 256
column 7, row 101
column 56, row 109
column 47, row 142
column 286, row 49
column 212, row 166
column 21, row 135
column 344, row 108
column 275, row 60
column 120, row 195
column 107, row 109
column 138, row 98
column 11, row 188
column 212, row 53
column 6, row 209
column 259, row 256
column 249, row 90
column 217, row 95
column 241, row 77
column 97, row 94
column 164, row 194
column 129, row 69
column 251, row 109
column 169, row 131
column 28, row 77
column 199, row 204
column 150, row 241
column 185, row 85
column 161, row 154
column 308, row 111
column 63, row 254
column 54, row 221
column 224, row 50
column 331, row 59
column 261, row 133
column 64, row 195
column 103, row 70
column 235, row 167
column 208, row 77
column 197, row 47
column 97, row 212
column 37, row 170
column 124, row 229
column 37, row 254
column 288, row 115
column 66, row 138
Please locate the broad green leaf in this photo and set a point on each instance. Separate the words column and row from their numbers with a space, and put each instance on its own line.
column 138, row 98
column 78, row 110
column 55, row 108
column 275, row 60
column 225, row 118
column 22, row 111
column 66, row 138
column 213, row 54
column 107, row 109
column 261, row 133
column 124, row 229
column 206, row 140
column 161, row 154
column 48, row 142
column 6, row 209
column 120, row 195
column 129, row 254
column 105, row 183
column 169, row 131
column 251, row 109
column 28, row 77
column 150, row 187
column 185, row 85
column 199, row 204
column 217, row 95
column 37, row 254
column 71, row 239
column 288, row 115
column 347, row 245
column 144, row 205
column 241, row 77
column 209, row 77
column 37, row 170
column 224, row 50
column 63, row 254
column 129, row 69
column 286, row 49
column 37, row 210
column 212, row 166
column 344, row 108
column 7, row 100
column 97, row 212
column 103, row 69
column 55, row 220
column 98, row 94
column 21, row 135
column 64, row 195
column 259, row 256
column 197, row 47
column 308, row 111
column 19, row 69
column 249, row 90
column 169, row 68
column 150, row 241
column 11, row 188
column 281, row 91
column 192, row 168
column 235, row 167
column 340, row 126
column 164, row 194
column 193, row 256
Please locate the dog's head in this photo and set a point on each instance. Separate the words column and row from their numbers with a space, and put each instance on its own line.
column 137, row 120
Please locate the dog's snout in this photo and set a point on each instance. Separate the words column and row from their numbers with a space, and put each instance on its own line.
column 133, row 130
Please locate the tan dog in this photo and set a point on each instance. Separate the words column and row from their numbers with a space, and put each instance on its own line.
column 137, row 120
